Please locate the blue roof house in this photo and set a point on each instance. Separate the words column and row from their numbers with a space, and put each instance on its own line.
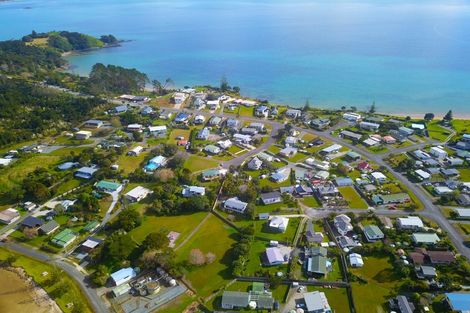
column 155, row 163
column 123, row 276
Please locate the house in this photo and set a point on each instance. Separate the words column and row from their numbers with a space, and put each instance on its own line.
column 422, row 175
column 262, row 111
column 182, row 118
column 246, row 139
column 271, row 197
column 320, row 123
column 352, row 117
column 155, row 163
column 120, row 109
column 211, row 174
column 288, row 152
column 458, row 301
column 135, row 151
column 418, row 127
column 123, row 276
column 193, row 191
column 389, row 140
column 425, row 238
column 316, row 302
column 438, row 152
column 29, row 206
column 211, row 149
column 378, row 177
column 265, row 157
column 343, row 224
column 405, row 131
column 89, row 244
column 343, row 181
column 49, row 227
column 279, row 223
column 293, row 113
column 410, row 223
column 108, row 186
column 86, row 172
column 232, row 123
column 450, row 172
column 274, row 256
column 346, row 242
column 249, row 131
column 326, row 190
column 138, row 193
column 158, row 131
column 32, row 222
column 135, row 127
column 199, row 119
column 235, row 205
column 199, row 104
column 317, row 265
column 93, row 123
column 369, row 126
column 83, row 135
column 373, row 233
column 291, row 141
column 352, row 156
column 179, row 97
column 5, row 161
column 397, row 198
column 370, row 142
column 355, row 260
column 9, row 216
column 134, row 98
column 147, row 111
column 463, row 199
column 203, row 134
column 426, row 272
column 453, row 161
column 442, row 190
column 258, row 126
column 402, row 304
column 280, row 175
column 224, row 144
column 64, row 238
column 213, row 104
column 302, row 190
column 331, row 149
column 364, row 166
column 351, row 135
column 441, row 257
column 164, row 115
column 421, row 155
column 462, row 213
column 311, row 235
column 235, row 300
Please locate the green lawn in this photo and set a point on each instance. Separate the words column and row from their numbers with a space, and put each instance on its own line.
column 179, row 132
column 311, row 202
column 337, row 298
column 353, row 198
column 464, row 229
column 178, row 305
column 35, row 269
column 437, row 132
column 67, row 185
column 298, row 157
column 183, row 224
column 216, row 237
column 245, row 111
column 381, row 284
column 464, row 174
column 195, row 163
column 461, row 126
column 128, row 163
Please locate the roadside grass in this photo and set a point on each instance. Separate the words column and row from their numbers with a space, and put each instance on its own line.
column 216, row 237
column 298, row 157
column 235, row 149
column 381, row 282
column 337, row 298
column 464, row 174
column 308, row 137
column 268, row 182
column 263, row 230
column 353, row 198
column 274, row 149
column 437, row 132
column 35, row 269
column 311, row 202
column 461, row 126
column 377, row 149
column 245, row 111
column 196, row 164
column 464, row 229
column 182, row 224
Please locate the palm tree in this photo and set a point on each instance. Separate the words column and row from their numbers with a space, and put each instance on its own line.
column 168, row 82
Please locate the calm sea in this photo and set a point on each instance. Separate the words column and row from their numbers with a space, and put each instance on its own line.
column 407, row 56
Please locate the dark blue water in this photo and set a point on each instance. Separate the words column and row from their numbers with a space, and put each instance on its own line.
column 407, row 56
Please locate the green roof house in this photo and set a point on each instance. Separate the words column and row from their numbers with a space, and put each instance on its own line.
column 373, row 233
column 425, row 238
column 108, row 186
column 64, row 238
column 235, row 299
column 91, row 226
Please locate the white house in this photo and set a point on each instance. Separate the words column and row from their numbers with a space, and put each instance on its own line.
column 379, row 177
column 279, row 223
column 293, row 113
column 9, row 216
column 224, row 144
column 288, row 152
column 369, row 126
column 193, row 191
column 274, row 256
column 123, row 276
column 83, row 135
column 179, row 97
column 352, row 117
column 235, row 205
column 438, row 152
column 356, row 260
column 136, row 151
column 343, row 224
column 255, row 164
column 135, row 127
column 137, row 194
column 410, row 222
column 422, row 174
column 317, row 302
column 157, row 131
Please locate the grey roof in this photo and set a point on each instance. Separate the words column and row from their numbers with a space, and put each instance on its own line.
column 235, row 298
column 428, row 271
column 49, row 226
column 32, row 221
column 270, row 195
column 317, row 264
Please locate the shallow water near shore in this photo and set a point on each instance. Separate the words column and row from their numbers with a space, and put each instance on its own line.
column 407, row 56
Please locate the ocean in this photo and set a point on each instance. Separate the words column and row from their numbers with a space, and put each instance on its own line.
column 409, row 57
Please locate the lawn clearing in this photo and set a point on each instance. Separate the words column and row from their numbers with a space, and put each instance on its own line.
column 128, row 163
column 216, row 237
column 196, row 164
column 263, row 230
column 245, row 111
column 177, row 132
column 437, row 132
column 354, row 199
column 337, row 298
column 311, row 202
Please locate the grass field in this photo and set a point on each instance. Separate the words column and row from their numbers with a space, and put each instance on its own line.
column 381, row 283
column 353, row 198
column 464, row 229
column 461, row 126
column 35, row 269
column 437, row 132
column 337, row 298
column 216, row 237
column 245, row 111
column 179, row 133
column 311, row 202
column 128, row 163
column 464, row 174
column 195, row 163
column 183, row 224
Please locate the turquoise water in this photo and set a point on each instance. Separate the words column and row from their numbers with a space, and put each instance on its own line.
column 407, row 56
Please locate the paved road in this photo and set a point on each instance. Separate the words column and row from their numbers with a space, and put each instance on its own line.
column 95, row 301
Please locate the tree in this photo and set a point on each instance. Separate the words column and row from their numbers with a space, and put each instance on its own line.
column 372, row 108
column 428, row 117
column 100, row 276
column 196, row 257
column 30, row 233
column 448, row 117
column 196, row 204
column 157, row 87
column 343, row 108
column 164, row 175
column 156, row 241
column 129, row 219
column 224, row 86
column 210, row 257
column 306, row 107
column 119, row 247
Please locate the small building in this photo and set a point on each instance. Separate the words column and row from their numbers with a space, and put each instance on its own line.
column 9, row 216
column 320, row 123
column 351, row 135
column 271, row 197
column 288, row 152
column 193, row 191
column 293, row 113
column 215, row 121
column 86, row 172
column 135, row 151
column 255, row 164
column 425, row 238
column 137, row 194
column 389, row 140
column 331, row 149
column 426, row 272
column 211, row 174
column 438, row 152
column 155, row 163
column 224, row 144
column 120, row 109
column 32, row 222
column 211, row 149
column 396, row 198
column 83, row 135
column 378, row 177
column 235, row 205
column 265, row 157
column 373, row 233
column 422, row 175
column 274, row 256
column 353, row 156
column 203, row 134
column 369, row 126
column 158, row 131
column 343, row 181
column 121, row 290
column 352, row 117
column 64, row 238
column 232, row 123
column 123, row 276
column 108, row 186
column 280, row 175
column 93, row 123
column 402, row 304
column 463, row 199
column 316, row 302
column 410, row 223
column 279, row 223
column 405, row 131
column 450, row 172
column 355, row 260
column 49, row 227
column 135, row 127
